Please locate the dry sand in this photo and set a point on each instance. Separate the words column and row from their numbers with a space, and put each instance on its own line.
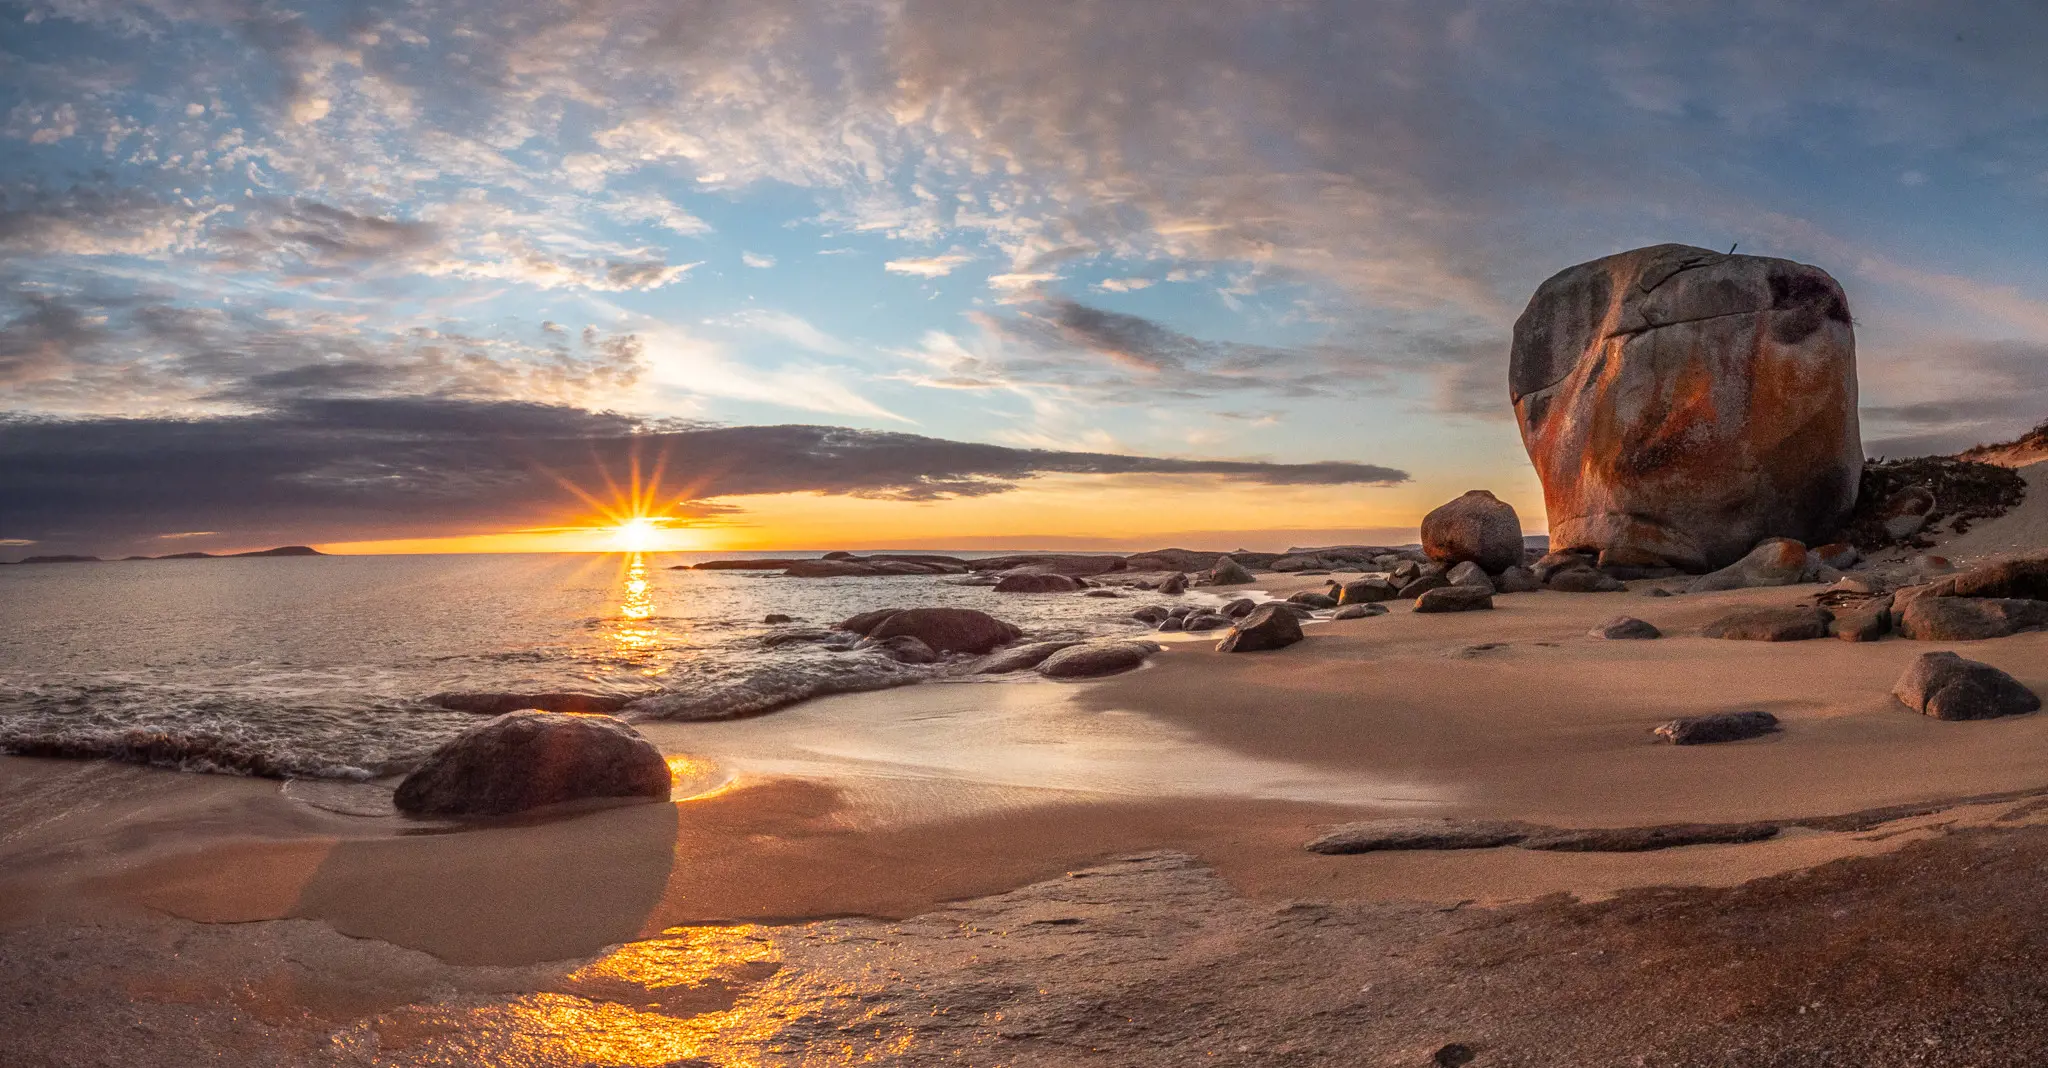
column 366, row 938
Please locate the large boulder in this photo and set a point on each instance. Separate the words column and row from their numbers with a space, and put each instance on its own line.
column 1689, row 404
column 1478, row 527
column 527, row 759
column 946, row 630
column 1268, row 627
column 1946, row 686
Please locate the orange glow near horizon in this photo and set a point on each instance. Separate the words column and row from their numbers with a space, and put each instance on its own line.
column 1108, row 512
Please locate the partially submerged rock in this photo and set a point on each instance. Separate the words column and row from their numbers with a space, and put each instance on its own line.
column 946, row 630
column 1719, row 727
column 1625, row 628
column 1946, row 686
column 902, row 648
column 1477, row 527
column 1095, row 659
column 1689, row 403
column 1312, row 599
column 1455, row 599
column 497, row 704
column 1267, row 627
column 1199, row 621
column 1018, row 658
column 524, row 760
column 1036, row 582
column 1174, row 585
column 1796, row 624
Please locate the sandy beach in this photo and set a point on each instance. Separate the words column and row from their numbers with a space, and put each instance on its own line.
column 948, row 871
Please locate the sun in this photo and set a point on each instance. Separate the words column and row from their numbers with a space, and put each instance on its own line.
column 641, row 534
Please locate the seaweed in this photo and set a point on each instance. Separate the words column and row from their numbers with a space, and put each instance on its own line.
column 1964, row 492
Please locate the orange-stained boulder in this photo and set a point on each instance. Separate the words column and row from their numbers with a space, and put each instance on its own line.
column 1683, row 404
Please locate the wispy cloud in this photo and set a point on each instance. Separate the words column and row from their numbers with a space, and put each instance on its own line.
column 928, row 266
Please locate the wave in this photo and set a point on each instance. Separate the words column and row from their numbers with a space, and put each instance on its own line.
column 777, row 687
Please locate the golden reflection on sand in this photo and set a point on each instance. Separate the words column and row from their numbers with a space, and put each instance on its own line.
column 695, row 992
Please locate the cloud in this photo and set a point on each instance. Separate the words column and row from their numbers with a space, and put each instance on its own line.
column 93, row 221
column 1951, row 394
column 928, row 266
column 339, row 469
column 757, row 259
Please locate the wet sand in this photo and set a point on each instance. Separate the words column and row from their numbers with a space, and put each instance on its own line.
column 895, row 804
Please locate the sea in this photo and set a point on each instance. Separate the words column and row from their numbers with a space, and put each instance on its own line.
column 324, row 666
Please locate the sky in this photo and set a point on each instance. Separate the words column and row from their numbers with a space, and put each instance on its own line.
column 421, row 276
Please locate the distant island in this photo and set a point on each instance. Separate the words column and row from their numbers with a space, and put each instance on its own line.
column 282, row 550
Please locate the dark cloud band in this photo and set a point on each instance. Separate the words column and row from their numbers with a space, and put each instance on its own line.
column 323, row 470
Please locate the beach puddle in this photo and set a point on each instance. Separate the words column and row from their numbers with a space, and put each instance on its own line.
column 944, row 751
column 692, row 995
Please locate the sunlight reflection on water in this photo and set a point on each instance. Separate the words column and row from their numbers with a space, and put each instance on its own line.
column 635, row 633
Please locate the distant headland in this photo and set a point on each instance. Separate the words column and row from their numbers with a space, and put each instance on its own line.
column 282, row 550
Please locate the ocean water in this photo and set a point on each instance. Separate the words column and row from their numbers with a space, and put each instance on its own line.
column 321, row 667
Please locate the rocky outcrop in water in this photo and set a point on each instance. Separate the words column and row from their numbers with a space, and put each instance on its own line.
column 945, row 630
column 525, row 760
column 1685, row 404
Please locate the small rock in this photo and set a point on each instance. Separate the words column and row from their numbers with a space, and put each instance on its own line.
column 1839, row 555
column 1946, row 686
column 1583, row 580
column 1151, row 613
column 1550, row 564
column 1206, row 621
column 1174, row 585
column 1239, row 608
column 1771, row 625
column 1656, row 591
column 1228, row 572
column 1455, row 599
column 775, row 617
column 1359, row 611
column 1774, row 562
column 1423, row 584
column 1452, row 1055
column 1182, row 611
column 1720, row 727
column 1268, row 627
column 1625, row 628
column 1367, row 591
column 1469, row 574
column 1866, row 622
column 1094, row 659
column 1101, row 593
column 1517, row 579
column 1312, row 599
column 1171, row 624
column 1373, row 836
